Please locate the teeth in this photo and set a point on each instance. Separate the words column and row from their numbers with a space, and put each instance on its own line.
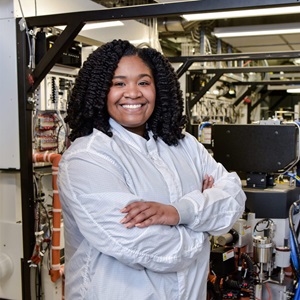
column 132, row 105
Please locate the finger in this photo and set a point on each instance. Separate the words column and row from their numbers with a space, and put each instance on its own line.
column 210, row 181
column 170, row 217
column 132, row 205
column 205, row 182
column 133, row 210
column 141, row 221
column 136, row 216
column 145, row 223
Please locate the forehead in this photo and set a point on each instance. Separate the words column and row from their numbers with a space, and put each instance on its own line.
column 131, row 64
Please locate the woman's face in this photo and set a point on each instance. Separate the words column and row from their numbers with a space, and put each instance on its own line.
column 131, row 98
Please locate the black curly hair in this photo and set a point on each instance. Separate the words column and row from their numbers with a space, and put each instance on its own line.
column 87, row 105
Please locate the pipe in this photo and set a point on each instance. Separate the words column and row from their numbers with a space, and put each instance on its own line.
column 56, row 269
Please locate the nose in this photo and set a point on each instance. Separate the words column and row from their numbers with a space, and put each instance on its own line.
column 132, row 91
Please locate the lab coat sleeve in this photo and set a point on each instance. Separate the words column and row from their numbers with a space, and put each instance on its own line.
column 216, row 209
column 94, row 200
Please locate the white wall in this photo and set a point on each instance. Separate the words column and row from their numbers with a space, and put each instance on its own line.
column 46, row 7
column 10, row 235
column 9, row 126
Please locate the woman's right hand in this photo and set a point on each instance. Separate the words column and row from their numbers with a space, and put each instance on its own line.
column 143, row 214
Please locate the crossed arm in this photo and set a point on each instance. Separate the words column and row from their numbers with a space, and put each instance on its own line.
column 143, row 214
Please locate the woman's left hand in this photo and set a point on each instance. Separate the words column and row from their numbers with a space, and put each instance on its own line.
column 143, row 214
column 208, row 182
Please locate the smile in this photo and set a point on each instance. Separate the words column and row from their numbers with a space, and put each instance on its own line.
column 131, row 106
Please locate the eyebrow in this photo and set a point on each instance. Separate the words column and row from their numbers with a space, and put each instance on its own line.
column 140, row 76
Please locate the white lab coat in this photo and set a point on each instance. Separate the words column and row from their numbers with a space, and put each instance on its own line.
column 99, row 175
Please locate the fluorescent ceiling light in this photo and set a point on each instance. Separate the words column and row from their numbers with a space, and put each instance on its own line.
column 141, row 41
column 97, row 25
column 255, row 30
column 293, row 91
column 90, row 26
column 243, row 13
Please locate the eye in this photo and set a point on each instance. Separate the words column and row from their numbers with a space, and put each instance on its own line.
column 118, row 83
column 144, row 83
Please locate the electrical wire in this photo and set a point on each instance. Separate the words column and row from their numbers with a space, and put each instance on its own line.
column 28, row 36
column 63, row 125
column 295, row 251
column 294, row 240
column 43, row 225
column 294, row 163
column 269, row 291
column 268, row 222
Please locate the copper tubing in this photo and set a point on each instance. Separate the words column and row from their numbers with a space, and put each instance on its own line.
column 56, row 269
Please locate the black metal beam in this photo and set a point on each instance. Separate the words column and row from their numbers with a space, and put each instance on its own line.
column 237, row 56
column 249, row 113
column 277, row 103
column 26, row 172
column 260, row 100
column 183, row 68
column 203, row 91
column 246, row 93
column 63, row 41
column 268, row 82
column 256, row 69
column 154, row 10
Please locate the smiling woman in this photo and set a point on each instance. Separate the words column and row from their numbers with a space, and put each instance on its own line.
column 131, row 98
column 103, row 73
column 139, row 195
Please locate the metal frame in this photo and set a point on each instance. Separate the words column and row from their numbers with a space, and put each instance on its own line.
column 219, row 72
column 27, row 193
column 75, row 22
column 188, row 61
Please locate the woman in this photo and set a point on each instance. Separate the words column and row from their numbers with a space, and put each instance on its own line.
column 140, row 197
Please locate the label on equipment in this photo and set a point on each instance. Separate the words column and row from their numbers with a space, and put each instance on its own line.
column 227, row 255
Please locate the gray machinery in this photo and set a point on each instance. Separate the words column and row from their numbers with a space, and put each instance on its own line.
column 266, row 156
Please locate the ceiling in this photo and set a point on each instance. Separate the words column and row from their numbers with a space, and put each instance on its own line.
column 173, row 32
column 285, row 42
